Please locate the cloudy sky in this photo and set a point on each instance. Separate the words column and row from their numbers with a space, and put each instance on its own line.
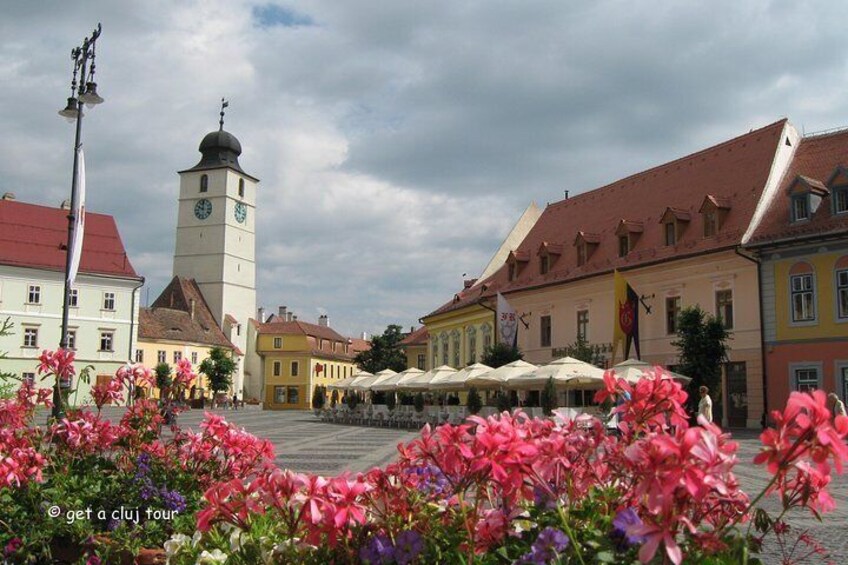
column 397, row 142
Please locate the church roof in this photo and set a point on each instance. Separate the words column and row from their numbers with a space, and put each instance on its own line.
column 170, row 317
column 36, row 236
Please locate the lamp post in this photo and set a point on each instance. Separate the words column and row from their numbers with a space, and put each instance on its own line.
column 84, row 92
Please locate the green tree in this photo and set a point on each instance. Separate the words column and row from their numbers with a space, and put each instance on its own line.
column 218, row 368
column 7, row 388
column 474, row 402
column 549, row 397
column 702, row 350
column 385, row 352
column 584, row 351
column 498, row 355
column 163, row 377
column 419, row 402
column 319, row 397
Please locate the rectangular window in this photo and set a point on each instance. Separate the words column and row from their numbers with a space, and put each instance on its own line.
column 194, row 357
column 840, row 200
column 724, row 308
column 295, row 368
column 670, row 234
column 583, row 325
column 472, row 348
column 279, row 395
column 278, row 343
column 278, row 368
column 106, row 339
column 160, row 357
column 806, row 379
column 422, row 360
column 178, row 356
column 511, row 271
column 30, row 337
column 545, row 331
column 803, row 298
column 72, row 339
column 800, row 208
column 139, row 356
column 672, row 311
column 581, row 254
column 623, row 245
column 108, row 300
column 545, row 264
column 73, row 298
column 294, row 395
column 34, row 294
column 710, row 221
column 28, row 378
column 842, row 294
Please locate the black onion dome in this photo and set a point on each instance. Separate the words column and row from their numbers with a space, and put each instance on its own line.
column 219, row 149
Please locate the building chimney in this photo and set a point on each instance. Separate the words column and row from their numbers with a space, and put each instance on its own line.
column 324, row 321
column 292, row 317
column 282, row 313
column 364, row 336
column 9, row 196
column 192, row 302
column 289, row 316
column 261, row 315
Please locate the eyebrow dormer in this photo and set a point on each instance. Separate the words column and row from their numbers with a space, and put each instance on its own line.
column 675, row 222
column 714, row 210
column 628, row 233
column 586, row 243
column 548, row 254
column 805, row 195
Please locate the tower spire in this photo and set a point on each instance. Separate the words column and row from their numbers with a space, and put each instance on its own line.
column 224, row 104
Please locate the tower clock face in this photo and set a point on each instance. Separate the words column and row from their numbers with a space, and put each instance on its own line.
column 202, row 209
column 241, row 212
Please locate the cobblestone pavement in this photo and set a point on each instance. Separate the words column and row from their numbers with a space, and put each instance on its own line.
column 303, row 443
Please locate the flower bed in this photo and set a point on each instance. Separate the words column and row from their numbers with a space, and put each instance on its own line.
column 506, row 489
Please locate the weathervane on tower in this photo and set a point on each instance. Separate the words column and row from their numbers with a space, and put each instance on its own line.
column 224, row 104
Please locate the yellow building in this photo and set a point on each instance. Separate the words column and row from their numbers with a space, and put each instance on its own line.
column 415, row 348
column 179, row 325
column 297, row 357
column 458, row 336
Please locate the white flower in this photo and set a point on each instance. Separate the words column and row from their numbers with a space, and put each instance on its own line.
column 195, row 539
column 173, row 545
column 206, row 558
column 235, row 540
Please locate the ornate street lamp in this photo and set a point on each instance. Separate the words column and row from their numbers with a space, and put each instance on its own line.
column 84, row 92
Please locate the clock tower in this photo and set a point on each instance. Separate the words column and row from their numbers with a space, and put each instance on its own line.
column 215, row 242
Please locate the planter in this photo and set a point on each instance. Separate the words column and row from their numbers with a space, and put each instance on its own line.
column 64, row 551
column 153, row 556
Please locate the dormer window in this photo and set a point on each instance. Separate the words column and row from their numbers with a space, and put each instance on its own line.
column 511, row 272
column 548, row 254
column 714, row 210
column 674, row 223
column 628, row 233
column 838, row 185
column 204, row 183
column 586, row 243
column 806, row 194
column 545, row 264
column 515, row 262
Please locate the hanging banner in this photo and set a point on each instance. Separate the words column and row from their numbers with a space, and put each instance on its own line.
column 79, row 221
column 507, row 323
column 626, row 323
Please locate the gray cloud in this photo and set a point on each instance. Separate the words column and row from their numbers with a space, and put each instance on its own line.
column 397, row 142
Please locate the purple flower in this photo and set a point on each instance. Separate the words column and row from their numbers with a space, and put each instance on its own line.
column 113, row 524
column 378, row 551
column 93, row 560
column 547, row 546
column 408, row 546
column 172, row 500
column 431, row 480
column 625, row 521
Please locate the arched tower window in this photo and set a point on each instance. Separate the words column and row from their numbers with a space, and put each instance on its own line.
column 204, row 183
column 241, row 188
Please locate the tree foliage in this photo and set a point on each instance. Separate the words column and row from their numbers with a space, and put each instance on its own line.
column 474, row 402
column 319, row 397
column 218, row 368
column 702, row 345
column 498, row 355
column 419, row 402
column 385, row 352
column 163, row 376
column 584, row 351
column 549, row 397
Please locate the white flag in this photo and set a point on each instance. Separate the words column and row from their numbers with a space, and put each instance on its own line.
column 79, row 221
column 507, row 322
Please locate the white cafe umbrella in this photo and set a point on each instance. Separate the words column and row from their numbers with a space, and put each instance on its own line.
column 458, row 380
column 422, row 382
column 346, row 383
column 391, row 383
column 496, row 378
column 566, row 373
column 368, row 384
column 632, row 370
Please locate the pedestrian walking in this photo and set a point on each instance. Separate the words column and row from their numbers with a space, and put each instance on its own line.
column 837, row 407
column 705, row 405
column 235, row 401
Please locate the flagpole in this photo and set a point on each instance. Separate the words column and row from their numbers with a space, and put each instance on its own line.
column 87, row 94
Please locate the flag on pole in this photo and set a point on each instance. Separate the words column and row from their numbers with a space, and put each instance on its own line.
column 507, row 323
column 626, row 324
column 79, row 220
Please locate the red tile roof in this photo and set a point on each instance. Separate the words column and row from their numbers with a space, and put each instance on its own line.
column 732, row 173
column 170, row 318
column 301, row 328
column 817, row 159
column 358, row 345
column 417, row 337
column 36, row 236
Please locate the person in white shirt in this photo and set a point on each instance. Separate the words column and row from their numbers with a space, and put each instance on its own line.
column 837, row 407
column 705, row 405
